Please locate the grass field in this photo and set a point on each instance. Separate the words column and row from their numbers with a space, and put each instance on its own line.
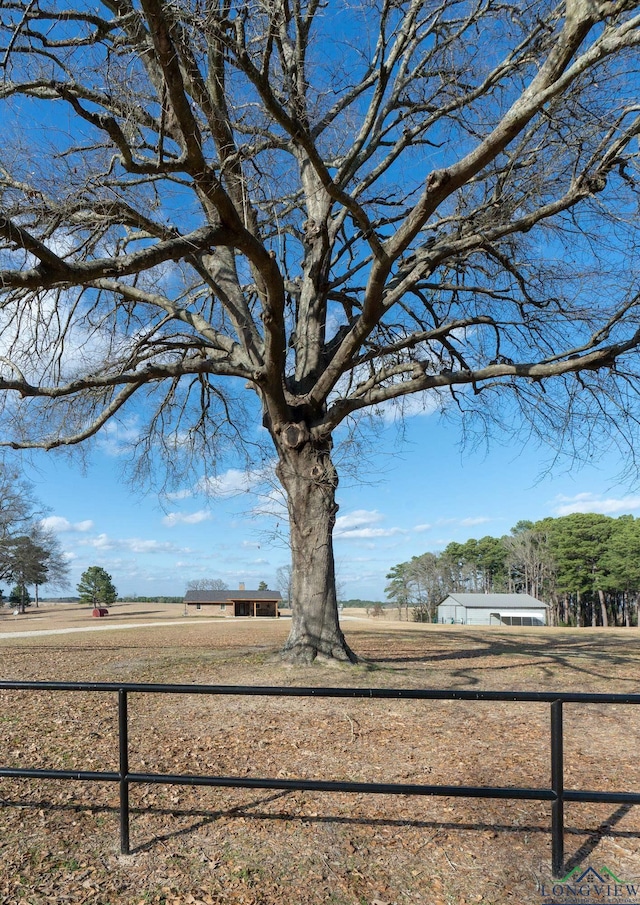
column 59, row 841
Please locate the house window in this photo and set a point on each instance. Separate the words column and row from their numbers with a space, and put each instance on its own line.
column 223, row 606
column 198, row 606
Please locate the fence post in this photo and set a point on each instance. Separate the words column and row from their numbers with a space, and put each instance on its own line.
column 123, row 742
column 557, row 786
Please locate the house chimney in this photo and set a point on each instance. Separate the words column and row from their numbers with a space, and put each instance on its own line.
column 241, row 586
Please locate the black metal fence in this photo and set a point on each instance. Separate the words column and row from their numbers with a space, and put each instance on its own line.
column 555, row 793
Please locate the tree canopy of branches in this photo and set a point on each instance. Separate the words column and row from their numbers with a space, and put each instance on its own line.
column 207, row 584
column 18, row 506
column 329, row 206
column 585, row 564
column 29, row 555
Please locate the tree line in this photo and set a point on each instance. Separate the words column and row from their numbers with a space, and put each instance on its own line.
column 585, row 565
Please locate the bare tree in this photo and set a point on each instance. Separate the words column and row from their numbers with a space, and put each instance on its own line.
column 29, row 554
column 333, row 205
column 56, row 564
column 207, row 584
column 530, row 562
column 284, row 583
column 19, row 509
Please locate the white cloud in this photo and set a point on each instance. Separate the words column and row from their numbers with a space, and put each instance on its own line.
column 192, row 518
column 231, row 482
column 137, row 545
column 420, row 528
column 179, row 495
column 235, row 482
column 272, row 504
column 59, row 525
column 360, row 523
column 101, row 542
column 117, row 438
column 56, row 523
column 589, row 502
column 131, row 544
column 368, row 533
column 415, row 404
column 357, row 519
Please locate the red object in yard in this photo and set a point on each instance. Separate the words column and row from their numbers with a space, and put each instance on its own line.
column 101, row 611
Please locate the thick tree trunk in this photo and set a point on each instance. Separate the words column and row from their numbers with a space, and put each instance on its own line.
column 310, row 480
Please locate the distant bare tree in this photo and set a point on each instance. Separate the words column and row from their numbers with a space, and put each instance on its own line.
column 57, row 565
column 531, row 565
column 19, row 509
column 29, row 554
column 284, row 583
column 336, row 206
column 207, row 584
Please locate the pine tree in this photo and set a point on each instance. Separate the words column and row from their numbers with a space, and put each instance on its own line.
column 96, row 587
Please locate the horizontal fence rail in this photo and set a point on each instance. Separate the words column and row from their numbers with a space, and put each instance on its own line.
column 555, row 793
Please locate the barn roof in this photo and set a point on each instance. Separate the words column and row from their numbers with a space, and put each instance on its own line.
column 497, row 601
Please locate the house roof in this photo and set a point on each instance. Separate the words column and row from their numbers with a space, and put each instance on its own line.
column 229, row 596
column 496, row 601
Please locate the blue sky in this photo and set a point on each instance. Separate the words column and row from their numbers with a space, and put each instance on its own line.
column 417, row 496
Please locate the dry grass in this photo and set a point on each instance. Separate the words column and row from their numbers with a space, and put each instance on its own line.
column 59, row 841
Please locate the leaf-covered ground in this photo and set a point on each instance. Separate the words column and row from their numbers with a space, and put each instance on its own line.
column 59, row 841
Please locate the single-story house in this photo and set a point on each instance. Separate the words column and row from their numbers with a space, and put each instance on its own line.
column 233, row 603
column 493, row 609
